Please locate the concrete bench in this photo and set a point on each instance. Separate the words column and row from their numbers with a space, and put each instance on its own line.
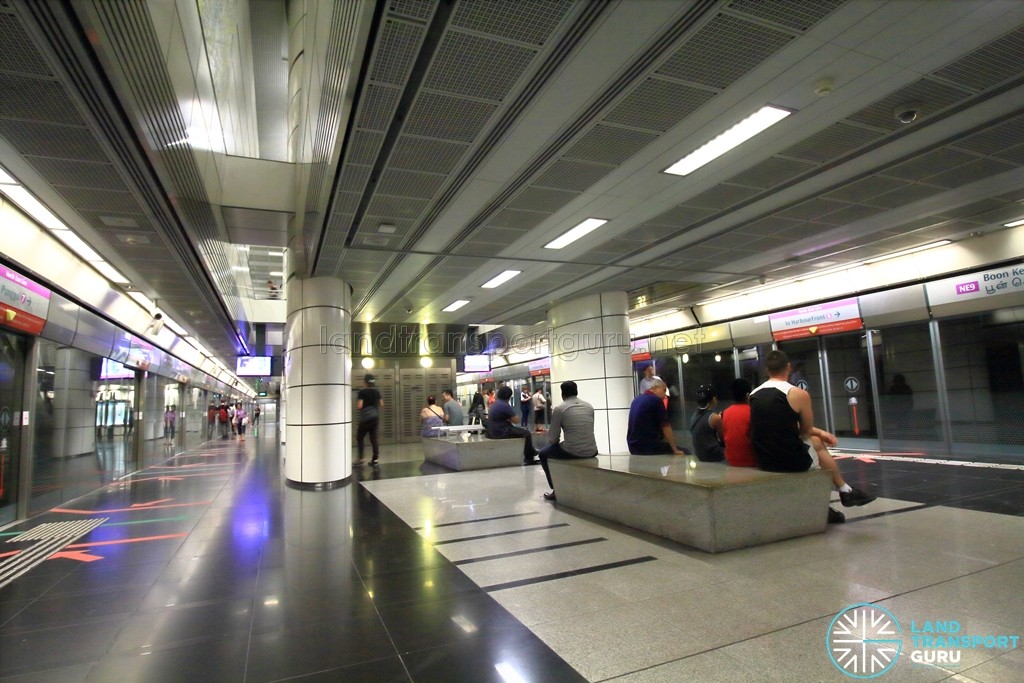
column 450, row 430
column 710, row 506
column 472, row 451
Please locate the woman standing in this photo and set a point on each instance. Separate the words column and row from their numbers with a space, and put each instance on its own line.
column 477, row 409
column 241, row 420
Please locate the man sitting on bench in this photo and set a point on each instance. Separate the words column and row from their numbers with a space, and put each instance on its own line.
column 502, row 424
column 574, row 418
column 782, row 429
column 649, row 431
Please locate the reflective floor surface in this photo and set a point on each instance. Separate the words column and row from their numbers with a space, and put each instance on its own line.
column 209, row 568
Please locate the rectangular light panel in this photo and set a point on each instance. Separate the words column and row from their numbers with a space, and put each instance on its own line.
column 735, row 136
column 455, row 305
column 501, row 279
column 584, row 228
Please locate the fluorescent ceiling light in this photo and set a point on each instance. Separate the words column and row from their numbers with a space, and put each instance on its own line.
column 737, row 135
column 587, row 226
column 455, row 305
column 143, row 300
column 77, row 245
column 896, row 254
column 275, row 253
column 30, row 205
column 1014, row 224
column 652, row 316
column 6, row 178
column 108, row 271
column 175, row 327
column 501, row 279
column 276, row 273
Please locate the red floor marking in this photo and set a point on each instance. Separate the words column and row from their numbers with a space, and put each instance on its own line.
column 75, row 555
column 152, row 502
column 8, row 554
column 125, row 540
column 131, row 509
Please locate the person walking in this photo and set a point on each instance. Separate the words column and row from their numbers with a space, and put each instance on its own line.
column 369, row 404
column 241, row 420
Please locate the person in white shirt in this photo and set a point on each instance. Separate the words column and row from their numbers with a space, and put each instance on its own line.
column 539, row 405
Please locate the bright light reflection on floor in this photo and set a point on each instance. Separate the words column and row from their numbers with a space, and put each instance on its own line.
column 464, row 623
column 508, row 673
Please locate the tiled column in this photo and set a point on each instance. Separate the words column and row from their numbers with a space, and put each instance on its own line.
column 589, row 341
column 74, row 405
column 317, row 375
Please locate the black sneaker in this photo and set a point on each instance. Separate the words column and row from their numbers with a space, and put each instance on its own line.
column 550, row 496
column 855, row 497
column 374, row 463
column 531, row 461
column 835, row 516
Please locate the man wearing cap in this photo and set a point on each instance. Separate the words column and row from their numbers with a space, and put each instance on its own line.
column 502, row 424
column 704, row 426
column 576, row 419
column 369, row 404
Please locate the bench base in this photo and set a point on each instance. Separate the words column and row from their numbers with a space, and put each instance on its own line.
column 472, row 452
column 710, row 506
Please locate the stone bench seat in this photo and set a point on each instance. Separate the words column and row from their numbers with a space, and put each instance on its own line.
column 467, row 451
column 710, row 506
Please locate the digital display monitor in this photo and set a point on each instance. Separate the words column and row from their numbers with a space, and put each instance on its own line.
column 478, row 363
column 253, row 366
column 111, row 369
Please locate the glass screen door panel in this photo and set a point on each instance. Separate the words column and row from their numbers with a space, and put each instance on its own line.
column 852, row 396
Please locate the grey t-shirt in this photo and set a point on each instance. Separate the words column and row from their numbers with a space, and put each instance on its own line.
column 453, row 411
column 574, row 418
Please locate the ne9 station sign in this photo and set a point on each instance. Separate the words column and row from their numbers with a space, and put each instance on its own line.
column 814, row 321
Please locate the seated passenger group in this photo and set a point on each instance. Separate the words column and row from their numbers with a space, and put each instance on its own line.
column 770, row 427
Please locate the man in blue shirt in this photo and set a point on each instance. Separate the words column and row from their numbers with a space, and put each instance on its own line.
column 650, row 432
column 502, row 423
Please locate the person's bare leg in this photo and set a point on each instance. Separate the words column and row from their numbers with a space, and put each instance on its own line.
column 827, row 463
column 847, row 494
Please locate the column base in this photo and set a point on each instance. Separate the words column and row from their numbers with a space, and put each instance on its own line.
column 318, row 485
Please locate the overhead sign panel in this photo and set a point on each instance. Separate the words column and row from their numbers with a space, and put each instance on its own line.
column 23, row 303
column 817, row 320
column 982, row 285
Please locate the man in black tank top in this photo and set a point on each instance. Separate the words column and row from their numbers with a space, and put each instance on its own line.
column 782, row 432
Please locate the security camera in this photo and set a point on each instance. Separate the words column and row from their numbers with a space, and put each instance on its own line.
column 408, row 308
column 907, row 113
column 156, row 324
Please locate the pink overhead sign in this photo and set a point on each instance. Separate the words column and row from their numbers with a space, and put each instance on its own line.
column 814, row 321
column 23, row 303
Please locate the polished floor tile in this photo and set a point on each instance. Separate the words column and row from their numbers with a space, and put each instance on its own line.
column 411, row 573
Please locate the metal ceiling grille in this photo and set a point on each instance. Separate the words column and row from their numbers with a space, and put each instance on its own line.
column 364, row 147
column 609, row 144
column 353, row 178
column 447, row 117
column 722, row 196
column 831, row 143
column 723, row 51
column 525, row 21
column 771, row 172
column 476, row 66
column 422, row 154
column 572, row 175
column 996, row 139
column 936, row 96
column 906, row 195
column 399, row 43
column 521, row 220
column 989, row 66
column 864, row 189
column 541, row 199
column 799, row 15
column 682, row 216
column 74, row 173
column 377, row 107
column 19, row 54
column 659, row 104
column 417, row 9
column 409, row 184
column 927, row 164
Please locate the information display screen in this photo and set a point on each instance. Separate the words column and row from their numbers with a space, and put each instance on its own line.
column 478, row 363
column 253, row 366
column 111, row 369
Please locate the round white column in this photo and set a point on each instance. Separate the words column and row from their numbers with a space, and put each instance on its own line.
column 318, row 449
column 589, row 342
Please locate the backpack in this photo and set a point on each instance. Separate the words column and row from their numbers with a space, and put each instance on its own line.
column 223, row 414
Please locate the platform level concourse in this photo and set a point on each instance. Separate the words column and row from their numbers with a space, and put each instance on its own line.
column 208, row 567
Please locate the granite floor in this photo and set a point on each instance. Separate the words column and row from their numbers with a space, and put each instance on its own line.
column 208, row 568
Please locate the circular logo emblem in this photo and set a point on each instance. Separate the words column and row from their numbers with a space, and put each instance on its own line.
column 864, row 641
column 803, row 384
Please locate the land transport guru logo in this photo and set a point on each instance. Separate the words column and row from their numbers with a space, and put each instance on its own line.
column 865, row 640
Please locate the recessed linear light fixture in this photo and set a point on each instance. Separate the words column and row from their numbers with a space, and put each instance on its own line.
column 455, row 305
column 744, row 130
column 584, row 228
column 905, row 252
column 1014, row 224
column 501, row 279
column 277, row 273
